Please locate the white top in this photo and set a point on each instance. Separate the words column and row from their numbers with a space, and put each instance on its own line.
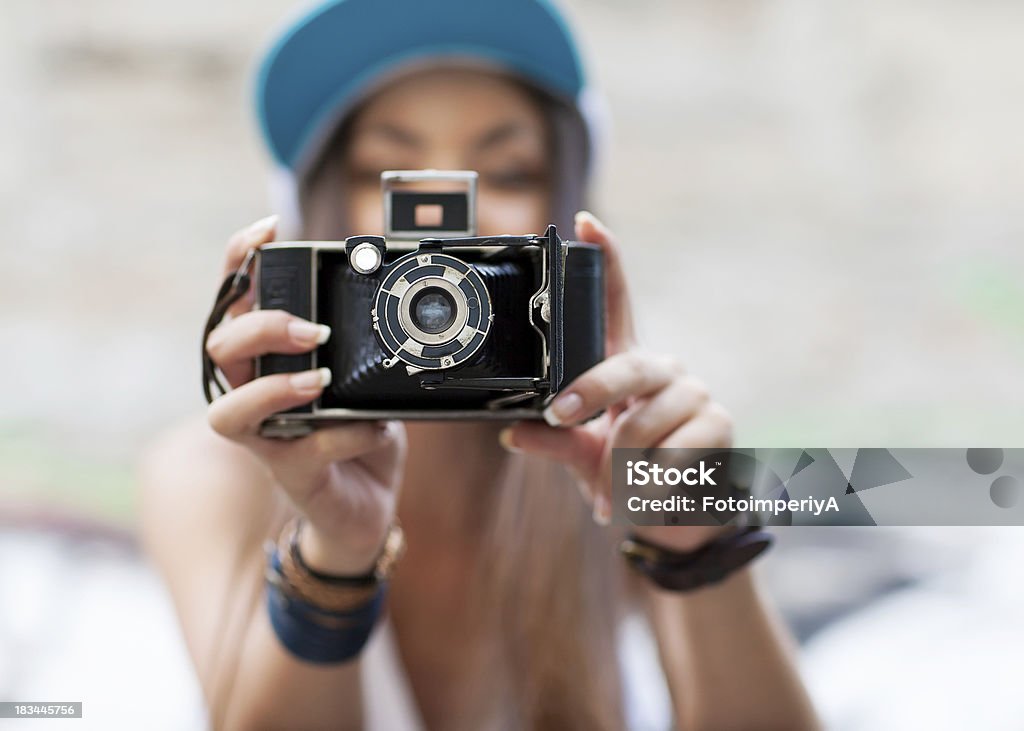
column 389, row 704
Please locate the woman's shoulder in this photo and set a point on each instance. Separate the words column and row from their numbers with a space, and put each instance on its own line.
column 206, row 506
column 192, row 439
column 197, row 485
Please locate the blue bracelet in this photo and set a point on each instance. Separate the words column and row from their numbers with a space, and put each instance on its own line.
column 317, row 635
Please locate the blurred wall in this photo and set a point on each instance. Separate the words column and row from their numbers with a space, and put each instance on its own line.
column 822, row 202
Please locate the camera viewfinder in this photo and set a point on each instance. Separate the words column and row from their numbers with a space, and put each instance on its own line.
column 422, row 204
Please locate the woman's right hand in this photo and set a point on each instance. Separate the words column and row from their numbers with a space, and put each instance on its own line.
column 343, row 479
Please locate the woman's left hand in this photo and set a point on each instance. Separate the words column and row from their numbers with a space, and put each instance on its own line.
column 648, row 401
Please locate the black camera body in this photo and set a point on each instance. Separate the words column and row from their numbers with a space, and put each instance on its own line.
column 431, row 321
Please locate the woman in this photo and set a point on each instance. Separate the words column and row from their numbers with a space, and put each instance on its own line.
column 505, row 610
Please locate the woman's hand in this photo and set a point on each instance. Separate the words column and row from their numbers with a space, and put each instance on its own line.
column 648, row 401
column 343, row 479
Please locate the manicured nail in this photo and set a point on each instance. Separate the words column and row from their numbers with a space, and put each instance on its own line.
column 588, row 217
column 507, row 441
column 602, row 510
column 311, row 381
column 215, row 339
column 563, row 408
column 261, row 228
column 308, row 333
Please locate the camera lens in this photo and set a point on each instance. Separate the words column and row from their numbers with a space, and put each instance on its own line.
column 433, row 310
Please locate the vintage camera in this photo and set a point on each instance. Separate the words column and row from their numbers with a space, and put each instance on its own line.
column 431, row 321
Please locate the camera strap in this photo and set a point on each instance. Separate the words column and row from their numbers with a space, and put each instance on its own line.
column 233, row 289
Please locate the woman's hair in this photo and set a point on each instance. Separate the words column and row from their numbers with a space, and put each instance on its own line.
column 547, row 580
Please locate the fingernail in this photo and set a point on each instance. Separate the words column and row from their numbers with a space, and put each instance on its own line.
column 602, row 510
column 507, row 441
column 262, row 227
column 563, row 408
column 311, row 381
column 588, row 217
column 308, row 333
column 214, row 340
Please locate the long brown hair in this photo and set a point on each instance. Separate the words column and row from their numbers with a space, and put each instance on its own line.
column 547, row 578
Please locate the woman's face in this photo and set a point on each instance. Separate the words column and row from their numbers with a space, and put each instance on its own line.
column 454, row 120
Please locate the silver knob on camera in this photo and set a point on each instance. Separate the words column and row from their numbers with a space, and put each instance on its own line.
column 366, row 258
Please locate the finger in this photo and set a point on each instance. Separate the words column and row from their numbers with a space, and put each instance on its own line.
column 621, row 332
column 609, row 383
column 390, row 451
column 299, row 462
column 578, row 448
column 650, row 420
column 239, row 413
column 233, row 344
column 711, row 428
column 252, row 236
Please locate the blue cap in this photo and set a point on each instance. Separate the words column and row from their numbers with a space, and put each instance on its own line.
column 331, row 56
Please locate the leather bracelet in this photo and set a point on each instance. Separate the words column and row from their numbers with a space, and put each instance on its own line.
column 332, row 593
column 690, row 570
column 390, row 553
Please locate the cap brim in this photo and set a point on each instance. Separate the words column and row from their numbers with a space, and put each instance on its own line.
column 331, row 56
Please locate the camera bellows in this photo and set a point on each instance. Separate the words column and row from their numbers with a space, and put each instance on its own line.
column 360, row 369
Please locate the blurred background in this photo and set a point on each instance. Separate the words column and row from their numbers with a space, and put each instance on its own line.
column 823, row 205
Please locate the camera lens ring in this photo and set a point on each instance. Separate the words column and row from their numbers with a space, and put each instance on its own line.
column 394, row 320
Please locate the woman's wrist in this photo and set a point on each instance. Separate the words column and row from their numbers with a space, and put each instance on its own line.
column 339, row 555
